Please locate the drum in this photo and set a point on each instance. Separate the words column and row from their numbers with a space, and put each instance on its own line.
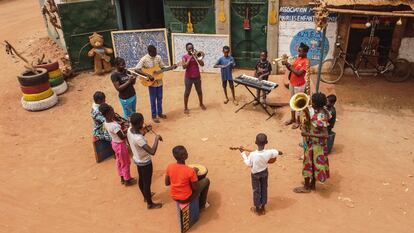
column 202, row 170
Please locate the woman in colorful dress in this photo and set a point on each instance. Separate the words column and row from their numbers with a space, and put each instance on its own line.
column 315, row 133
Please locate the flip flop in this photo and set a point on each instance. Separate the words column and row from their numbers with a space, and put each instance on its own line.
column 295, row 125
column 186, row 111
column 289, row 122
column 226, row 101
column 301, row 190
column 235, row 102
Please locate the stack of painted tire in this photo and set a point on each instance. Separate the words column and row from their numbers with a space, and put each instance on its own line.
column 56, row 80
column 37, row 93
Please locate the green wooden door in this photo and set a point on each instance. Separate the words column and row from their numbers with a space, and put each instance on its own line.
column 247, row 44
column 202, row 15
column 79, row 20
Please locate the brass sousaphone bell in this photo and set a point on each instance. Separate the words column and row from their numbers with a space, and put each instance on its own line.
column 299, row 102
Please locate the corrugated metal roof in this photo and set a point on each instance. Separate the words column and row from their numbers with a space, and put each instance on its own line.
column 409, row 3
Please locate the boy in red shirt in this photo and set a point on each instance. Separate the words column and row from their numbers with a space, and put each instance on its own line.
column 297, row 78
column 183, row 181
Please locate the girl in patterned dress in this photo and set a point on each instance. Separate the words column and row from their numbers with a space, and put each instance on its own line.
column 315, row 133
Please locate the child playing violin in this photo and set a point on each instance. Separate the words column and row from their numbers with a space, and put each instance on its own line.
column 119, row 144
column 142, row 153
column 258, row 161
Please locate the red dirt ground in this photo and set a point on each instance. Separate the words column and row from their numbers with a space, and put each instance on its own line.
column 51, row 183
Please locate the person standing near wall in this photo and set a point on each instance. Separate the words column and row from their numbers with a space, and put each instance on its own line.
column 297, row 78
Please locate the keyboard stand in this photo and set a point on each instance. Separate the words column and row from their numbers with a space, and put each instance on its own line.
column 255, row 98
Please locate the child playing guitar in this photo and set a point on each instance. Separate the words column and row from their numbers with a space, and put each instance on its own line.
column 149, row 61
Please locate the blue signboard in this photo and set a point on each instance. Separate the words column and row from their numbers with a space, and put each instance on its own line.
column 313, row 39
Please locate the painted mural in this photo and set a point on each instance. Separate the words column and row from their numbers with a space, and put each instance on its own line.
column 132, row 45
column 296, row 25
column 211, row 45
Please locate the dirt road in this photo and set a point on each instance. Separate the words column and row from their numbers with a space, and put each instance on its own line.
column 51, row 183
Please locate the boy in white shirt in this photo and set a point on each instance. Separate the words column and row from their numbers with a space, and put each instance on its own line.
column 258, row 161
column 118, row 144
column 142, row 153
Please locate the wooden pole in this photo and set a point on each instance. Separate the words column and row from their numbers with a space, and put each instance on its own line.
column 321, row 58
column 378, row 13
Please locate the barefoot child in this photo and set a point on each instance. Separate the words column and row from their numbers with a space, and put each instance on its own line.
column 262, row 71
column 226, row 64
column 258, row 161
column 118, row 144
column 142, row 156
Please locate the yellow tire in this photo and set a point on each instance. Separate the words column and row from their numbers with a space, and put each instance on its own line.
column 55, row 74
column 39, row 96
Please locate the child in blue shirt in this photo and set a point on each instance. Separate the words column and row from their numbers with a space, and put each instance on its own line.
column 226, row 63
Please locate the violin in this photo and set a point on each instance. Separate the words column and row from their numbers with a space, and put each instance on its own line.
column 148, row 128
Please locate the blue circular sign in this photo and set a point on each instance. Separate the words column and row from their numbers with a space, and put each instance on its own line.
column 313, row 39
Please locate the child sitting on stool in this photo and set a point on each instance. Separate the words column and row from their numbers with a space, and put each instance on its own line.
column 183, row 181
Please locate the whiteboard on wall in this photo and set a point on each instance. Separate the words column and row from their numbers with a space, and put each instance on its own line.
column 210, row 44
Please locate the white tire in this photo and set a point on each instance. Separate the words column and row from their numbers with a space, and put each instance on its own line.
column 41, row 104
column 60, row 89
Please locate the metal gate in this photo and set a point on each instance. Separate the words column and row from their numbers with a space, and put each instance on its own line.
column 79, row 20
column 248, row 42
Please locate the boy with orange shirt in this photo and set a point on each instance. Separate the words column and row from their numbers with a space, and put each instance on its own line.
column 183, row 181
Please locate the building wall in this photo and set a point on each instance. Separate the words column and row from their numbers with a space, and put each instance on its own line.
column 55, row 35
column 406, row 50
column 294, row 18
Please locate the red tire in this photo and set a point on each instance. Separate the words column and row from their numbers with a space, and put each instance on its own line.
column 49, row 66
column 28, row 78
column 35, row 89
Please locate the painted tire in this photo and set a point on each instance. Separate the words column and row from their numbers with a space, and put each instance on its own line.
column 40, row 105
column 62, row 88
column 25, row 79
column 39, row 96
column 35, row 89
column 56, row 81
column 55, row 74
column 49, row 66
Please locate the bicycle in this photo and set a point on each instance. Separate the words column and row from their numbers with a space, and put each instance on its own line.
column 393, row 70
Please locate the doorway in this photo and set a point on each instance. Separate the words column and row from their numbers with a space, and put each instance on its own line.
column 374, row 33
column 141, row 14
column 248, row 31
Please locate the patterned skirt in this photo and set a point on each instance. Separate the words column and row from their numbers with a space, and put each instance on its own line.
column 315, row 162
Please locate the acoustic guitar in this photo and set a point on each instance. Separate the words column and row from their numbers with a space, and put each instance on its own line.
column 272, row 160
column 190, row 28
column 155, row 72
column 272, row 14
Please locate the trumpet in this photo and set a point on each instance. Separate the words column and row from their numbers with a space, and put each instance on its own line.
column 284, row 57
column 198, row 55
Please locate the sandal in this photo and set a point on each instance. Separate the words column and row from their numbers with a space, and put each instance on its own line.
column 295, row 125
column 186, row 111
column 253, row 209
column 301, row 190
column 226, row 101
column 235, row 102
column 289, row 122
